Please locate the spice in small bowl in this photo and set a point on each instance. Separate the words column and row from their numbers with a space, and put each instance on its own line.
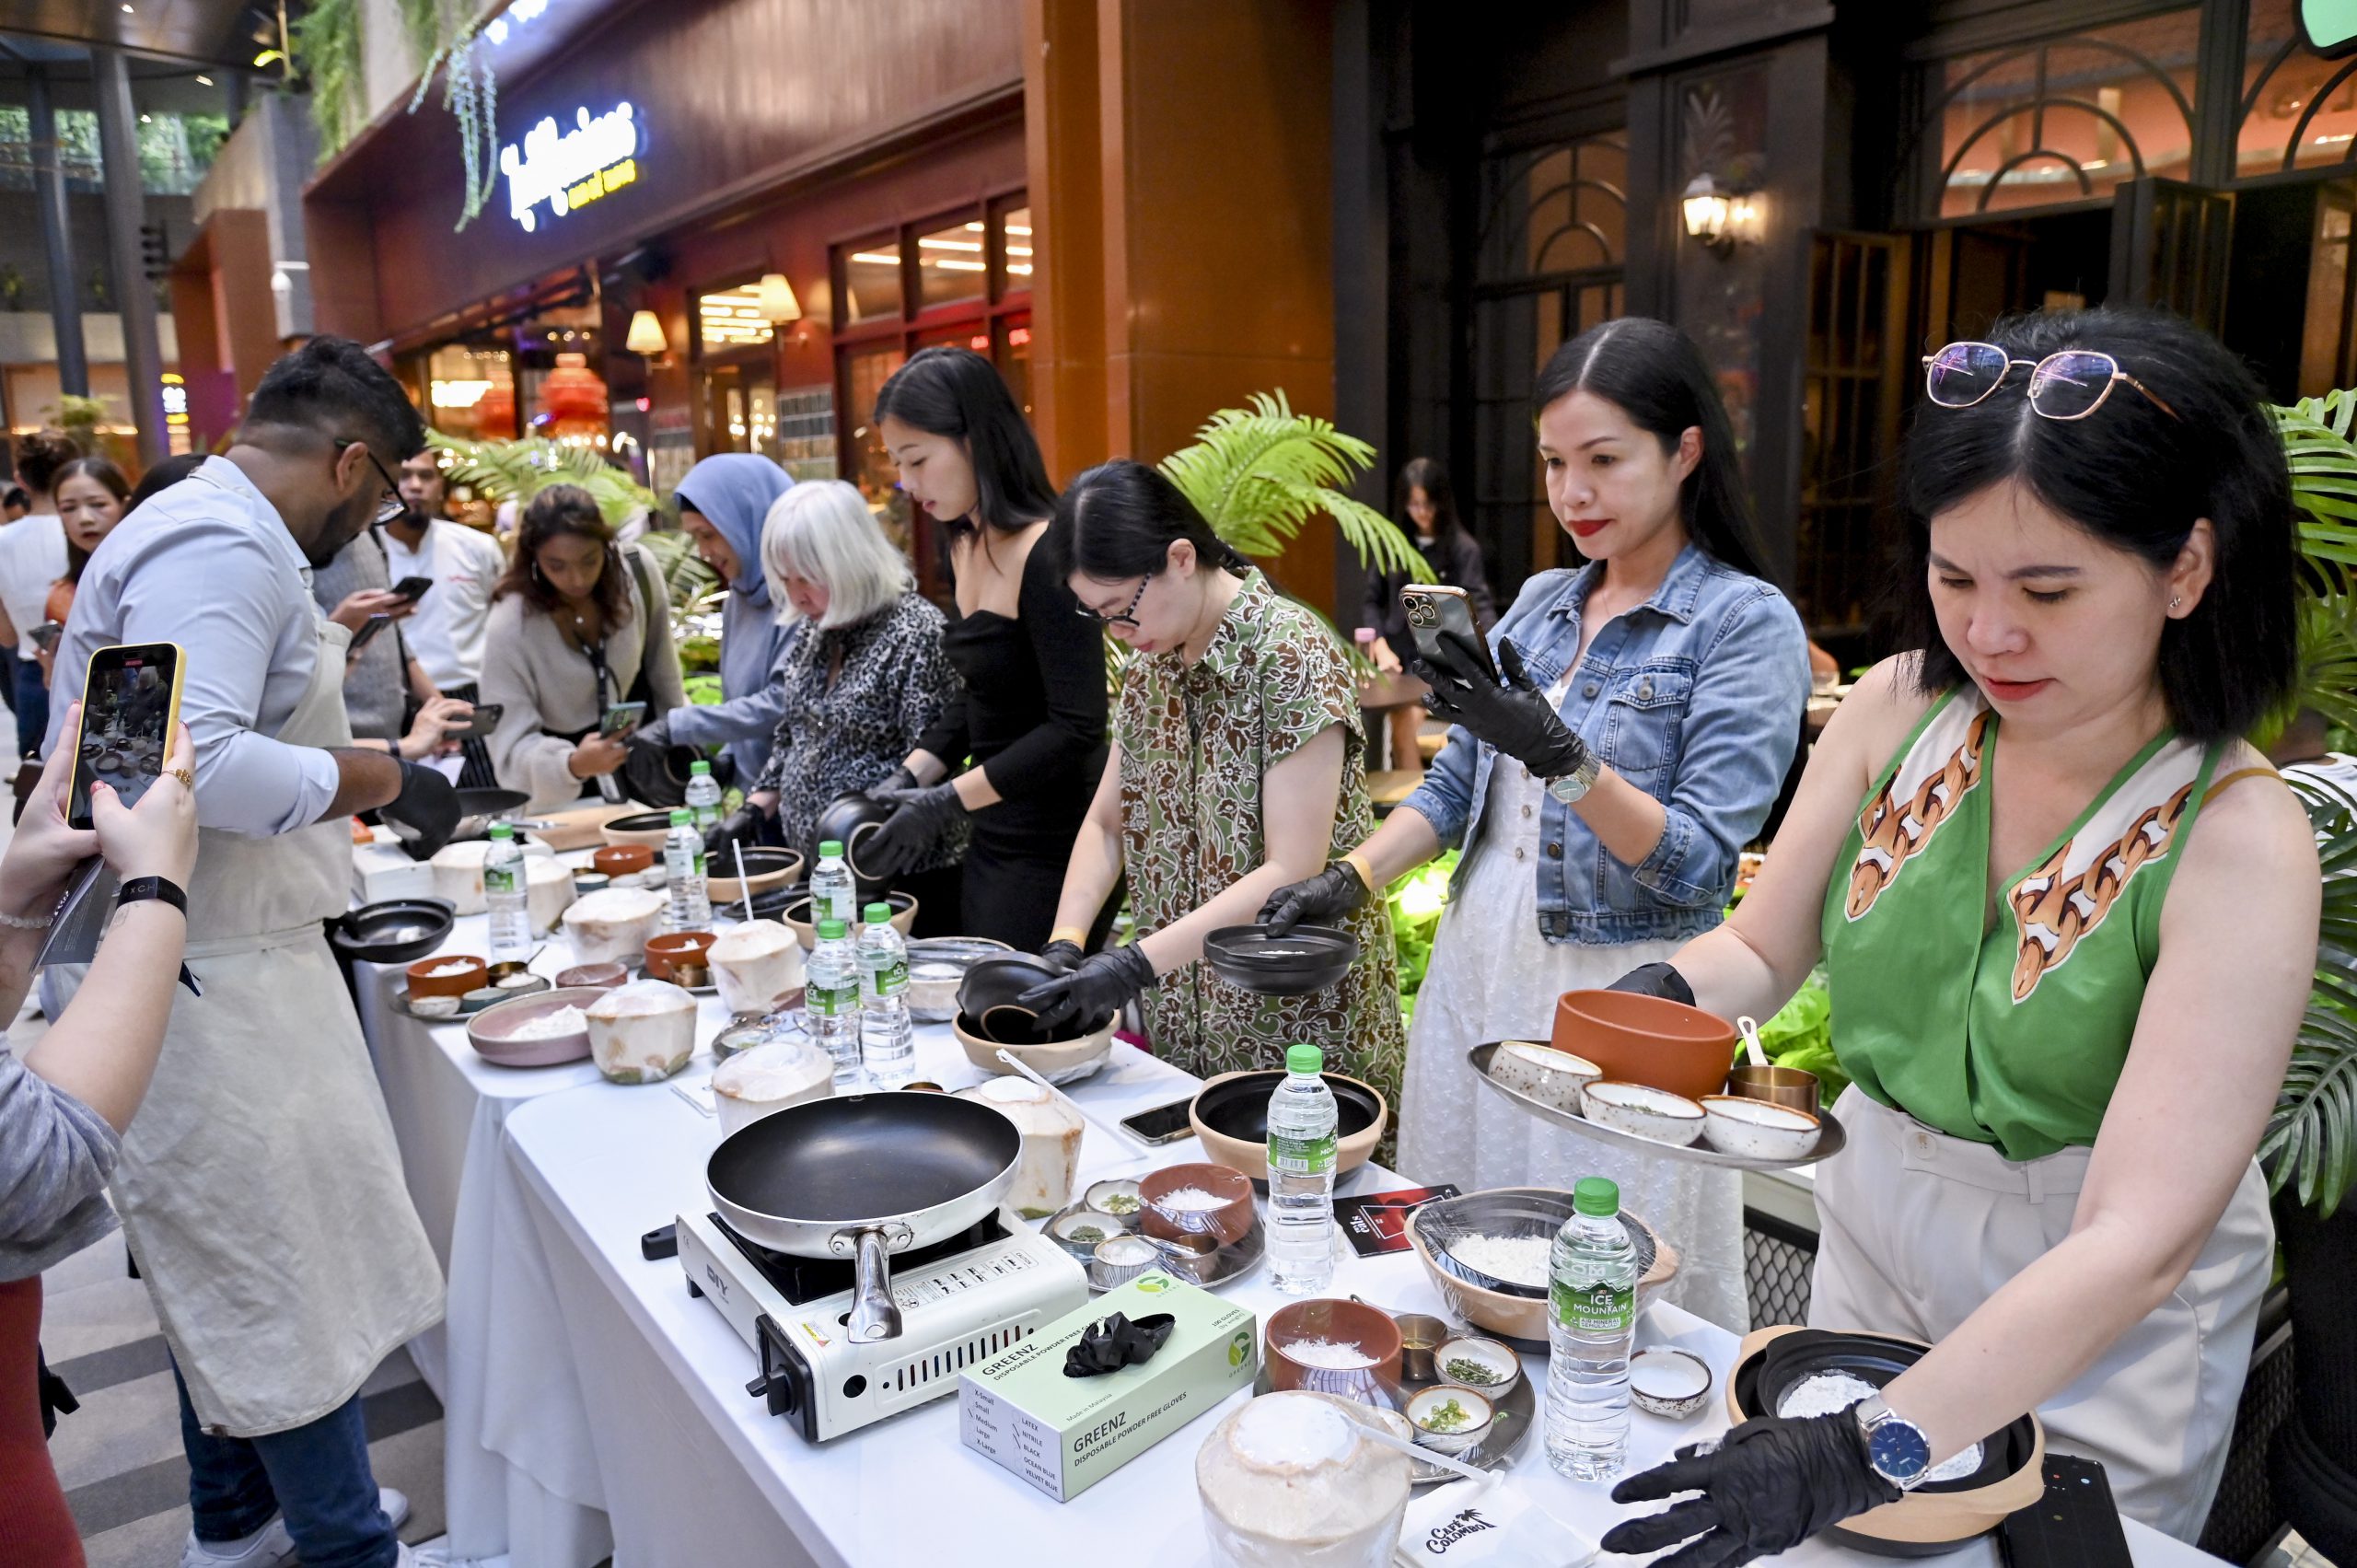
column 1449, row 1419
column 1117, row 1198
column 1080, row 1231
column 1484, row 1365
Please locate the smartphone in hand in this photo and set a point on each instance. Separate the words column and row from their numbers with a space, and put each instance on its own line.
column 45, row 635
column 1434, row 608
column 413, row 589
column 621, row 719
column 486, row 720
column 368, row 629
column 130, row 697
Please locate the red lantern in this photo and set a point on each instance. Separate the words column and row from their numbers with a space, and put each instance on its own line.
column 572, row 400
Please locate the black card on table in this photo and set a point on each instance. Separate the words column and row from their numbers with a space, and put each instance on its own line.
column 1376, row 1223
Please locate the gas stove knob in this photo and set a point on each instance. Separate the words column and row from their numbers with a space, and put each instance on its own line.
column 758, row 1386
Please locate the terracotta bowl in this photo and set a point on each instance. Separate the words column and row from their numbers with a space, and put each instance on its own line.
column 1646, row 1039
column 1052, row 1062
column 1230, row 1222
column 422, row 981
column 666, row 953
column 622, row 860
column 1231, row 1116
column 595, row 977
column 1513, row 1316
column 1369, row 1330
column 764, row 868
column 647, row 830
column 796, row 916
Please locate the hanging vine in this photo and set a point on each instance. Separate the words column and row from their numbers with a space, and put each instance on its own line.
column 470, row 91
column 326, row 43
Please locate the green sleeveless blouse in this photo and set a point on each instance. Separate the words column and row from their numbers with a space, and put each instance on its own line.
column 2013, row 1035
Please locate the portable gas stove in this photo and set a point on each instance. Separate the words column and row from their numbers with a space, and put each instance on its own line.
column 960, row 1301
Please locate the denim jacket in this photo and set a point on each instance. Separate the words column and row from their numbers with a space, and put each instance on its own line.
column 1695, row 697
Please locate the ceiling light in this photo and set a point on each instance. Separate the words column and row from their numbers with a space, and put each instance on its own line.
column 646, row 335
column 202, row 80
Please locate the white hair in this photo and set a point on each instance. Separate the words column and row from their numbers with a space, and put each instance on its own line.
column 822, row 529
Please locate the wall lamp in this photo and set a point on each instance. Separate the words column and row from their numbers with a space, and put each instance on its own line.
column 1719, row 217
column 647, row 336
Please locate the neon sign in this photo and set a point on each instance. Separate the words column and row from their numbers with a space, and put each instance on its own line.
column 570, row 169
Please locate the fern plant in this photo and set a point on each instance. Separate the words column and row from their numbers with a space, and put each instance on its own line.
column 2311, row 1141
column 518, row 470
column 326, row 43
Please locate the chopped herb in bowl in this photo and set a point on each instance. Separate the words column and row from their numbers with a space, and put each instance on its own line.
column 1448, row 1416
column 1120, row 1203
column 1478, row 1374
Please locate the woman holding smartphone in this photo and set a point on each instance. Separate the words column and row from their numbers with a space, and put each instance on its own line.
column 1650, row 705
column 578, row 625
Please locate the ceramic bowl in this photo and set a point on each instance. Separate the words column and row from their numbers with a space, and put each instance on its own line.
column 1646, row 1039
column 1059, row 1062
column 1500, row 1367
column 765, row 868
column 1514, row 1315
column 1231, row 1221
column 1758, row 1130
column 1794, row 1086
column 471, row 974
column 622, row 860
column 1307, row 959
column 1079, row 1231
column 1230, row 1114
column 1550, row 1076
column 596, row 977
column 1116, row 1196
column 646, row 829
column 999, row 982
column 796, row 916
column 1368, row 1330
column 493, row 1031
column 1642, row 1111
column 851, row 819
column 1477, row 1416
column 668, row 954
column 1668, row 1383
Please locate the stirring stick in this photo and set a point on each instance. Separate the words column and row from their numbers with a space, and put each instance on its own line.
column 1750, row 1031
column 743, row 885
column 1430, row 1456
column 1117, row 1134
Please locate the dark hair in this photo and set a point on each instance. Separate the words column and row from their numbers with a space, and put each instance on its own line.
column 15, row 495
column 110, row 480
column 2136, row 479
column 1120, row 520
column 40, row 455
column 1651, row 371
column 957, row 394
column 166, row 472
column 331, row 388
column 1427, row 475
column 558, row 511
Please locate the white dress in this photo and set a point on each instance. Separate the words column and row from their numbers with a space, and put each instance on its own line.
column 1494, row 977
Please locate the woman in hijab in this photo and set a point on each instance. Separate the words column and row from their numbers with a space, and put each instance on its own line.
column 722, row 502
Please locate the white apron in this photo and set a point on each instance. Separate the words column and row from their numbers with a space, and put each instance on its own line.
column 260, row 1186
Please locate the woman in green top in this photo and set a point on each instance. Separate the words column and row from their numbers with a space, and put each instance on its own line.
column 2069, row 918
column 1238, row 766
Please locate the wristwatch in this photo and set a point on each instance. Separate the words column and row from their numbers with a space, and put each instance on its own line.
column 1895, row 1447
column 1572, row 786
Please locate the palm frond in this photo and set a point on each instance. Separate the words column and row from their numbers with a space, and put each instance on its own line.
column 518, row 470
column 2317, row 443
column 2311, row 1141
column 1259, row 475
column 685, row 576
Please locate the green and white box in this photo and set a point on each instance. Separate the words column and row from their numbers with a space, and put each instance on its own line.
column 1064, row 1435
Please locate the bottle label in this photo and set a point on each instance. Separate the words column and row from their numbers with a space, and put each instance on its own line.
column 707, row 815
column 888, row 979
column 1600, row 1309
column 833, row 1001
column 499, row 879
column 1301, row 1156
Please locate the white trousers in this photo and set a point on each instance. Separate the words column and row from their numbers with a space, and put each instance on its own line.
column 1920, row 1228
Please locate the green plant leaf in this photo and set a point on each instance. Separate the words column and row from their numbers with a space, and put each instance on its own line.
column 2310, row 1144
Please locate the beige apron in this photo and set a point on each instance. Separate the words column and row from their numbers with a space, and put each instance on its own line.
column 259, row 1186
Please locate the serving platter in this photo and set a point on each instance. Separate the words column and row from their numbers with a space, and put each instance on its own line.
column 1228, row 1264
column 1830, row 1141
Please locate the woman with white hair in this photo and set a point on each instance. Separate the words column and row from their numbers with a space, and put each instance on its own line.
column 866, row 678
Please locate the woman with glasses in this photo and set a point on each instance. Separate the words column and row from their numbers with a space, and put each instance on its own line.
column 1238, row 765
column 2069, row 917
column 1601, row 796
column 578, row 626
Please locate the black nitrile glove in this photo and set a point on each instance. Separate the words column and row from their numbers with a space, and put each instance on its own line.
column 1322, row 900
column 427, row 806
column 1512, row 716
column 1062, row 956
column 898, row 779
column 1104, row 984
column 742, row 826
column 1769, row 1485
column 1656, row 979
column 919, row 818
column 656, row 737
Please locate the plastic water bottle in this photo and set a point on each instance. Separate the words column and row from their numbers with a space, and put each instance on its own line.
column 833, row 895
column 1591, row 1323
column 830, row 1001
column 887, row 1045
column 1302, row 1120
column 683, row 870
column 504, row 890
column 703, row 795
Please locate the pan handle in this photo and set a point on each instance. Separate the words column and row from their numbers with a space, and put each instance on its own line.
column 873, row 1315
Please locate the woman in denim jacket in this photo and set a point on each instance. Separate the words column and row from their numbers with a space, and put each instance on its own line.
column 1651, row 705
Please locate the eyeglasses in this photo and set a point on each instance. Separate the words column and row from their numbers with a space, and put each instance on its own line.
column 2065, row 386
column 391, row 505
column 1128, row 617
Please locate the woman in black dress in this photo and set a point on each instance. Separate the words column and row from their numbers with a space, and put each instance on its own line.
column 1020, row 757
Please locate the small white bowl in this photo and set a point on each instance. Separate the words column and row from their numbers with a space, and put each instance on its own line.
column 1642, row 1111
column 1456, row 1440
column 1550, row 1076
column 1499, row 1360
column 1758, row 1130
column 1668, row 1383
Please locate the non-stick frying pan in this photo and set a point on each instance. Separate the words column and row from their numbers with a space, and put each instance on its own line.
column 480, row 808
column 864, row 1176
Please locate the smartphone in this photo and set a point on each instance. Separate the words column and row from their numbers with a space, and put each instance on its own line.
column 45, row 635
column 130, row 698
column 1164, row 1123
column 368, row 629
column 486, row 720
column 2074, row 1524
column 1434, row 608
column 413, row 589
column 622, row 718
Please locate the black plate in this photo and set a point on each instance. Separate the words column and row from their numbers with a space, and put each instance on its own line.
column 398, row 931
column 772, row 903
column 1305, row 960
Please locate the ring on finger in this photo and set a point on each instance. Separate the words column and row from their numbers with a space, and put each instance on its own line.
column 186, row 775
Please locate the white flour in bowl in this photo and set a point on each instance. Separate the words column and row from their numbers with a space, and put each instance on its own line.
column 1829, row 1391
column 1333, row 1355
column 1517, row 1259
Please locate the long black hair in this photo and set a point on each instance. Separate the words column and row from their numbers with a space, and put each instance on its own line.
column 1427, row 475
column 1121, row 519
column 1653, row 373
column 956, row 394
column 102, row 472
column 2137, row 478
column 556, row 512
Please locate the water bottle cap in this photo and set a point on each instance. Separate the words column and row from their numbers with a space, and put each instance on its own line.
column 1303, row 1059
column 502, row 830
column 698, row 770
column 831, row 849
column 876, row 915
column 683, row 817
column 1596, row 1196
column 829, row 929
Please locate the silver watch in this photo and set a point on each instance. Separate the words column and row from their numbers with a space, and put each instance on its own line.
column 1895, row 1447
column 1572, row 786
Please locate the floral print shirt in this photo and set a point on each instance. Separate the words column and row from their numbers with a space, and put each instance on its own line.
column 1197, row 744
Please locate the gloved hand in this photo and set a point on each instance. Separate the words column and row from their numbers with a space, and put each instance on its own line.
column 656, row 737
column 1322, row 900
column 427, row 805
column 898, row 779
column 742, row 826
column 1104, row 984
column 1513, row 715
column 1062, row 956
column 1656, row 979
column 919, row 818
column 1770, row 1484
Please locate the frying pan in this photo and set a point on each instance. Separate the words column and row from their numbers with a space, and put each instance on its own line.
column 863, row 1177
column 479, row 809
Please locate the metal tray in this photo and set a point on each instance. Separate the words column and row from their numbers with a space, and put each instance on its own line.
column 1228, row 1264
column 1831, row 1137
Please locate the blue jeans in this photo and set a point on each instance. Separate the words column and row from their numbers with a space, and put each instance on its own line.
column 318, row 1475
column 31, row 702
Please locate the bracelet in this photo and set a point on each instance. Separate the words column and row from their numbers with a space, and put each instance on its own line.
column 19, row 922
column 140, row 889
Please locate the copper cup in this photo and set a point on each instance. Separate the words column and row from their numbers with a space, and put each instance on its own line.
column 1791, row 1086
